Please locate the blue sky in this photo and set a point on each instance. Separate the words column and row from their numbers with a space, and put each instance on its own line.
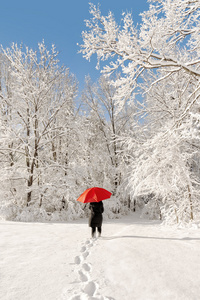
column 58, row 22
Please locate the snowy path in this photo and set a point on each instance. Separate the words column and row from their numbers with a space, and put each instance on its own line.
column 134, row 259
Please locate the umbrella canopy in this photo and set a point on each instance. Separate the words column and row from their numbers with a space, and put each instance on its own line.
column 94, row 194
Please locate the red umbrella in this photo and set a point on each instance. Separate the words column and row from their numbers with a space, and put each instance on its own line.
column 94, row 194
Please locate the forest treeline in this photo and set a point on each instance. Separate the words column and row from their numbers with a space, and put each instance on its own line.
column 134, row 132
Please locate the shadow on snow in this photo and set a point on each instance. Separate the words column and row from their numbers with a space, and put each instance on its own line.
column 148, row 237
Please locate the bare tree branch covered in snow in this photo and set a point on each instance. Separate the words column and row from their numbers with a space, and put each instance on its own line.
column 167, row 39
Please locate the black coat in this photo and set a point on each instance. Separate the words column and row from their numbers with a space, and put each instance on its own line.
column 96, row 217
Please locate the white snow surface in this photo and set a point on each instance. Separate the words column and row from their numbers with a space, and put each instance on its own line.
column 134, row 259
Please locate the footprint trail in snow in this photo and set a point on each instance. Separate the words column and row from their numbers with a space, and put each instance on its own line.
column 88, row 287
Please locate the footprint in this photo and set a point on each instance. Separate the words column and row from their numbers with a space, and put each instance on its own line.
column 90, row 288
column 77, row 297
column 90, row 243
column 86, row 267
column 83, row 249
column 83, row 277
column 85, row 254
column 78, row 260
column 84, row 296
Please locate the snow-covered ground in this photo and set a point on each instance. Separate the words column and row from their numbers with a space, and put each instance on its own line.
column 134, row 259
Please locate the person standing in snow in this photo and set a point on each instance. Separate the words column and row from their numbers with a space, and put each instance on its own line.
column 96, row 217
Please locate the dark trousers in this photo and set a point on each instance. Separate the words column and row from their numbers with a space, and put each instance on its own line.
column 94, row 231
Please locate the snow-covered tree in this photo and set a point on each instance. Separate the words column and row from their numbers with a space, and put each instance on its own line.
column 159, row 58
column 37, row 104
column 111, row 121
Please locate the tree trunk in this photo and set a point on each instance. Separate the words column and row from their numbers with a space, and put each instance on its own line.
column 54, row 152
column 191, row 204
column 134, row 205
column 29, row 194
